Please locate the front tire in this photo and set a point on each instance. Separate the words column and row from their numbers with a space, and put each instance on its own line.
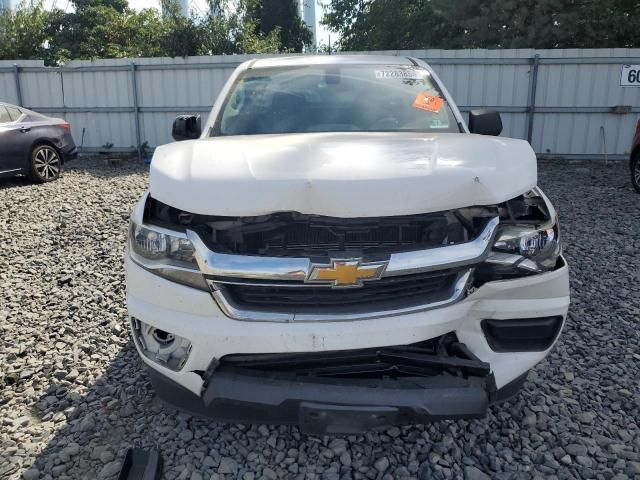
column 45, row 165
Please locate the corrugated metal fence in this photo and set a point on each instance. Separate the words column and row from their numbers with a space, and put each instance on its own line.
column 567, row 103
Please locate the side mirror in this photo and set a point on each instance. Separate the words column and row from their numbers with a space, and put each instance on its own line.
column 186, row 127
column 485, row 122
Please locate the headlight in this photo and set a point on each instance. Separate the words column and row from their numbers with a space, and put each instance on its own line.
column 535, row 249
column 165, row 253
column 527, row 240
column 158, row 244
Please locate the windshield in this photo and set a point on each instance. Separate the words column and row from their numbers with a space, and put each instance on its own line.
column 332, row 98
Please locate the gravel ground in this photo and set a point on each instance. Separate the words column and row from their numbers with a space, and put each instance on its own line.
column 74, row 397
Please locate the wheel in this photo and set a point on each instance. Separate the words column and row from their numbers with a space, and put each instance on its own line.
column 46, row 164
column 635, row 172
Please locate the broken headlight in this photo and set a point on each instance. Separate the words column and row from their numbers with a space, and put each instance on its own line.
column 532, row 249
column 165, row 253
column 527, row 240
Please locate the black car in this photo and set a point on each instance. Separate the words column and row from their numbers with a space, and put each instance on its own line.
column 33, row 144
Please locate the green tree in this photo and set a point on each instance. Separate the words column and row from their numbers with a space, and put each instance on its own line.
column 228, row 31
column 24, row 32
column 110, row 29
column 180, row 36
column 103, row 32
column 544, row 23
column 389, row 24
column 414, row 24
column 269, row 15
column 118, row 5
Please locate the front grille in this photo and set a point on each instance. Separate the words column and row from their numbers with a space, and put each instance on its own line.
column 292, row 234
column 321, row 238
column 385, row 294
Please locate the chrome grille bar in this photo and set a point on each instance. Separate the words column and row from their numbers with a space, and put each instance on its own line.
column 444, row 257
column 230, row 266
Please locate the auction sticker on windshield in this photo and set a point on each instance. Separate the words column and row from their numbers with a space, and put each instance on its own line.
column 402, row 74
column 430, row 103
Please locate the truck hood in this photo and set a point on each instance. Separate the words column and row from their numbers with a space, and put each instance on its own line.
column 341, row 174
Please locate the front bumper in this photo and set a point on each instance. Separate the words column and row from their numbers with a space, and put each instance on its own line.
column 193, row 314
column 343, row 408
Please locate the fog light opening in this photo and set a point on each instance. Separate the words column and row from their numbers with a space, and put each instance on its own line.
column 165, row 348
column 162, row 337
column 522, row 334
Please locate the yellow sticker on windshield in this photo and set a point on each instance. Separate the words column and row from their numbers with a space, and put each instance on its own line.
column 429, row 103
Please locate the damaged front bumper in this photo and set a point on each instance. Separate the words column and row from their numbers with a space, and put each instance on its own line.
column 345, row 392
column 235, row 392
column 319, row 408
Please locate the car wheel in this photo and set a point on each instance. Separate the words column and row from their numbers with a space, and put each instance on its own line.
column 46, row 164
column 635, row 172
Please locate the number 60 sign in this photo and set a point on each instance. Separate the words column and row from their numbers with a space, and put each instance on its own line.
column 630, row 76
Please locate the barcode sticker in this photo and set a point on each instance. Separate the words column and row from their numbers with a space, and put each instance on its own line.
column 401, row 74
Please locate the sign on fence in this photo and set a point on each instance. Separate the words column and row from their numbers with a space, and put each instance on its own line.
column 630, row 76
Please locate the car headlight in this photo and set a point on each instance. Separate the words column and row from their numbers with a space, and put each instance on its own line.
column 166, row 253
column 159, row 244
column 528, row 248
column 527, row 240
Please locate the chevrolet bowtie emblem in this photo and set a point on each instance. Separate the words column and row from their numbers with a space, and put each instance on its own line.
column 346, row 273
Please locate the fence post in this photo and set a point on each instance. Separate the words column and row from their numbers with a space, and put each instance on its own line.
column 16, row 77
column 136, row 108
column 531, row 101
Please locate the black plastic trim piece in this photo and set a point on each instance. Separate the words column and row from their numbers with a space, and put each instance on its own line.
column 321, row 407
column 522, row 334
column 511, row 389
column 141, row 464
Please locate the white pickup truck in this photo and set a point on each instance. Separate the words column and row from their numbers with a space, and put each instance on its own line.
column 337, row 248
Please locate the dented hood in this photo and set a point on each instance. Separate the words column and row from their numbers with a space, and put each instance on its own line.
column 341, row 174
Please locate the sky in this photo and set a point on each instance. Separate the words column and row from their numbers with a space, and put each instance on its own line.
column 321, row 32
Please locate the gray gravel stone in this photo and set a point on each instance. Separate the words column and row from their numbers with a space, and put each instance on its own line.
column 106, row 456
column 58, row 470
column 576, row 450
column 228, row 465
column 269, row 473
column 109, row 470
column 393, row 432
column 31, row 474
column 585, row 417
column 382, row 464
column 87, row 424
column 529, row 420
column 209, row 462
column 473, row 473
column 633, row 468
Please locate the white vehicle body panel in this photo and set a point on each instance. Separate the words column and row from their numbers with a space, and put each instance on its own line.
column 341, row 174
